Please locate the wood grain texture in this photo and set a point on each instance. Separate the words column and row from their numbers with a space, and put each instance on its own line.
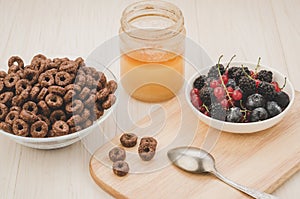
column 261, row 160
column 75, row 27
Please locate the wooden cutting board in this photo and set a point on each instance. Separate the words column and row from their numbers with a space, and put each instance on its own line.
column 262, row 160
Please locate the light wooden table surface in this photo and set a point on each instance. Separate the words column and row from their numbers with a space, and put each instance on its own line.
column 248, row 28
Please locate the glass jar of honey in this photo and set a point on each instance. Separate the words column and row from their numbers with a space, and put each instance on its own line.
column 152, row 43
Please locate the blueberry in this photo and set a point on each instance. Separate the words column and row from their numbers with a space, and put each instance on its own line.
column 231, row 83
column 273, row 108
column 234, row 115
column 258, row 114
column 254, row 101
column 282, row 99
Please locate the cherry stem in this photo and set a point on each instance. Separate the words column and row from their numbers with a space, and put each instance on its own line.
column 283, row 84
column 230, row 61
column 243, row 68
column 257, row 66
column 206, row 108
column 223, row 84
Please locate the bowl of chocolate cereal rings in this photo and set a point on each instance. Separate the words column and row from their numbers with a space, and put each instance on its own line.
column 53, row 103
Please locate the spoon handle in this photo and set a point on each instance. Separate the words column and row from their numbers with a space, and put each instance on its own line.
column 249, row 191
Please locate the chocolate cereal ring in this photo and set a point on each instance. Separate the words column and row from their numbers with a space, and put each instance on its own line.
column 11, row 116
column 57, row 115
column 45, row 119
column 117, row 154
column 80, row 80
column 34, row 92
column 30, row 106
column 54, row 101
column 3, row 111
column 6, row 97
column 111, row 99
column 20, row 128
column 1, row 85
column 69, row 67
column 62, row 78
column 112, row 86
column 69, row 96
column 15, row 108
column 10, row 80
column 86, row 113
column 2, row 74
column 52, row 71
column 102, row 94
column 42, row 94
column 90, row 101
column 128, row 139
column 120, row 168
column 6, row 127
column 39, row 57
column 46, row 79
column 28, row 117
column 39, row 129
column 60, row 128
column 84, row 93
column 74, row 87
column 89, row 81
column 80, row 61
column 58, row 90
column 76, row 106
column 75, row 129
column 149, row 140
column 44, row 108
column 74, row 120
column 21, row 85
column 102, row 81
column 16, row 60
column 31, row 75
column 87, row 123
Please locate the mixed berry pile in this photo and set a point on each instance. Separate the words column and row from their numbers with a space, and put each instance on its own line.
column 238, row 94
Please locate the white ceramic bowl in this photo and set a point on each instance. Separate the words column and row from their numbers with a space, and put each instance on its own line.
column 63, row 141
column 242, row 127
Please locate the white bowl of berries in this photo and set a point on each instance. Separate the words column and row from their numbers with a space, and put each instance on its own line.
column 248, row 98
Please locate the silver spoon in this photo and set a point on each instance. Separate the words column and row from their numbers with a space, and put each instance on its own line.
column 196, row 160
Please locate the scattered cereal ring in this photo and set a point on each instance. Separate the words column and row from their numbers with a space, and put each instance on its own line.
column 10, row 80
column 150, row 140
column 128, row 139
column 117, row 154
column 3, row 111
column 46, row 79
column 57, row 115
column 30, row 106
column 21, row 85
column 62, row 78
column 76, row 106
column 39, row 129
column 120, row 168
column 20, row 128
column 146, row 151
column 60, row 128
column 54, row 101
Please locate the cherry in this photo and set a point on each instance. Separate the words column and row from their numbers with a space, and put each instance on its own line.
column 225, row 79
column 257, row 82
column 219, row 92
column 230, row 89
column 237, row 95
column 202, row 109
column 194, row 91
column 214, row 84
column 206, row 113
column 276, row 86
column 225, row 103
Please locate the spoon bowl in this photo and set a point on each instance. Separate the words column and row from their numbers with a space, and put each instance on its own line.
column 195, row 160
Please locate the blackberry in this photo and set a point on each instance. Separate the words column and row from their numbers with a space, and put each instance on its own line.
column 265, row 75
column 240, row 72
column 206, row 94
column 267, row 90
column 217, row 111
column 231, row 71
column 199, row 82
column 247, row 85
column 213, row 71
